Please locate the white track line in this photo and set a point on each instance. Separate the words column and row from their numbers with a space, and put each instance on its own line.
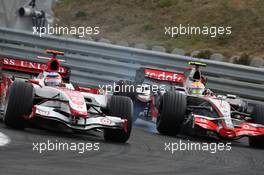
column 4, row 139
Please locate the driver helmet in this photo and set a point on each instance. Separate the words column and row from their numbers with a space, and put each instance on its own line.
column 196, row 88
column 53, row 79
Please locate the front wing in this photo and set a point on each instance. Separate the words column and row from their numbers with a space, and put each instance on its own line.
column 93, row 121
column 243, row 129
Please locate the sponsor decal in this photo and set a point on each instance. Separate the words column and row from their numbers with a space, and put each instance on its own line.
column 75, row 96
column 164, row 75
column 11, row 63
column 42, row 112
column 246, row 126
column 106, row 121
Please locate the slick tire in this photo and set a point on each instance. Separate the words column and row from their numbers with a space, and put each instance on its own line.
column 121, row 107
column 19, row 104
column 258, row 117
column 124, row 88
column 171, row 113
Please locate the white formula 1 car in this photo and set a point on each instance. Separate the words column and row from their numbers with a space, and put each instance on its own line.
column 48, row 102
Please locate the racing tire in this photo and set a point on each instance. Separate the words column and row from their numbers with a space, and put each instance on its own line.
column 258, row 117
column 19, row 104
column 125, row 91
column 122, row 107
column 171, row 113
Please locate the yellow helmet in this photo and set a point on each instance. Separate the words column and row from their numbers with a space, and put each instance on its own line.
column 196, row 88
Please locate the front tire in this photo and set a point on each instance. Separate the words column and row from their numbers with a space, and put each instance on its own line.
column 171, row 113
column 258, row 117
column 122, row 107
column 19, row 104
column 127, row 88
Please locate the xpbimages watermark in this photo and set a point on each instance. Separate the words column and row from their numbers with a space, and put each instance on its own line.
column 196, row 146
column 79, row 147
column 80, row 31
column 211, row 31
column 131, row 88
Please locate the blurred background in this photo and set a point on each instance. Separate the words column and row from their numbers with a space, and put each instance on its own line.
column 140, row 23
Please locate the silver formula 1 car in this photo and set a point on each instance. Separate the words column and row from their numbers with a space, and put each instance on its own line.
column 50, row 102
column 178, row 102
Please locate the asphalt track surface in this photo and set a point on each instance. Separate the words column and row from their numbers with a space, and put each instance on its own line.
column 143, row 154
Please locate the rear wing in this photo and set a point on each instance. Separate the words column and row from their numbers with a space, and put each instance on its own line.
column 158, row 75
column 25, row 68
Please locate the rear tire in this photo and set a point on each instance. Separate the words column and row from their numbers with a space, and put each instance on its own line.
column 171, row 113
column 258, row 117
column 19, row 104
column 122, row 107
